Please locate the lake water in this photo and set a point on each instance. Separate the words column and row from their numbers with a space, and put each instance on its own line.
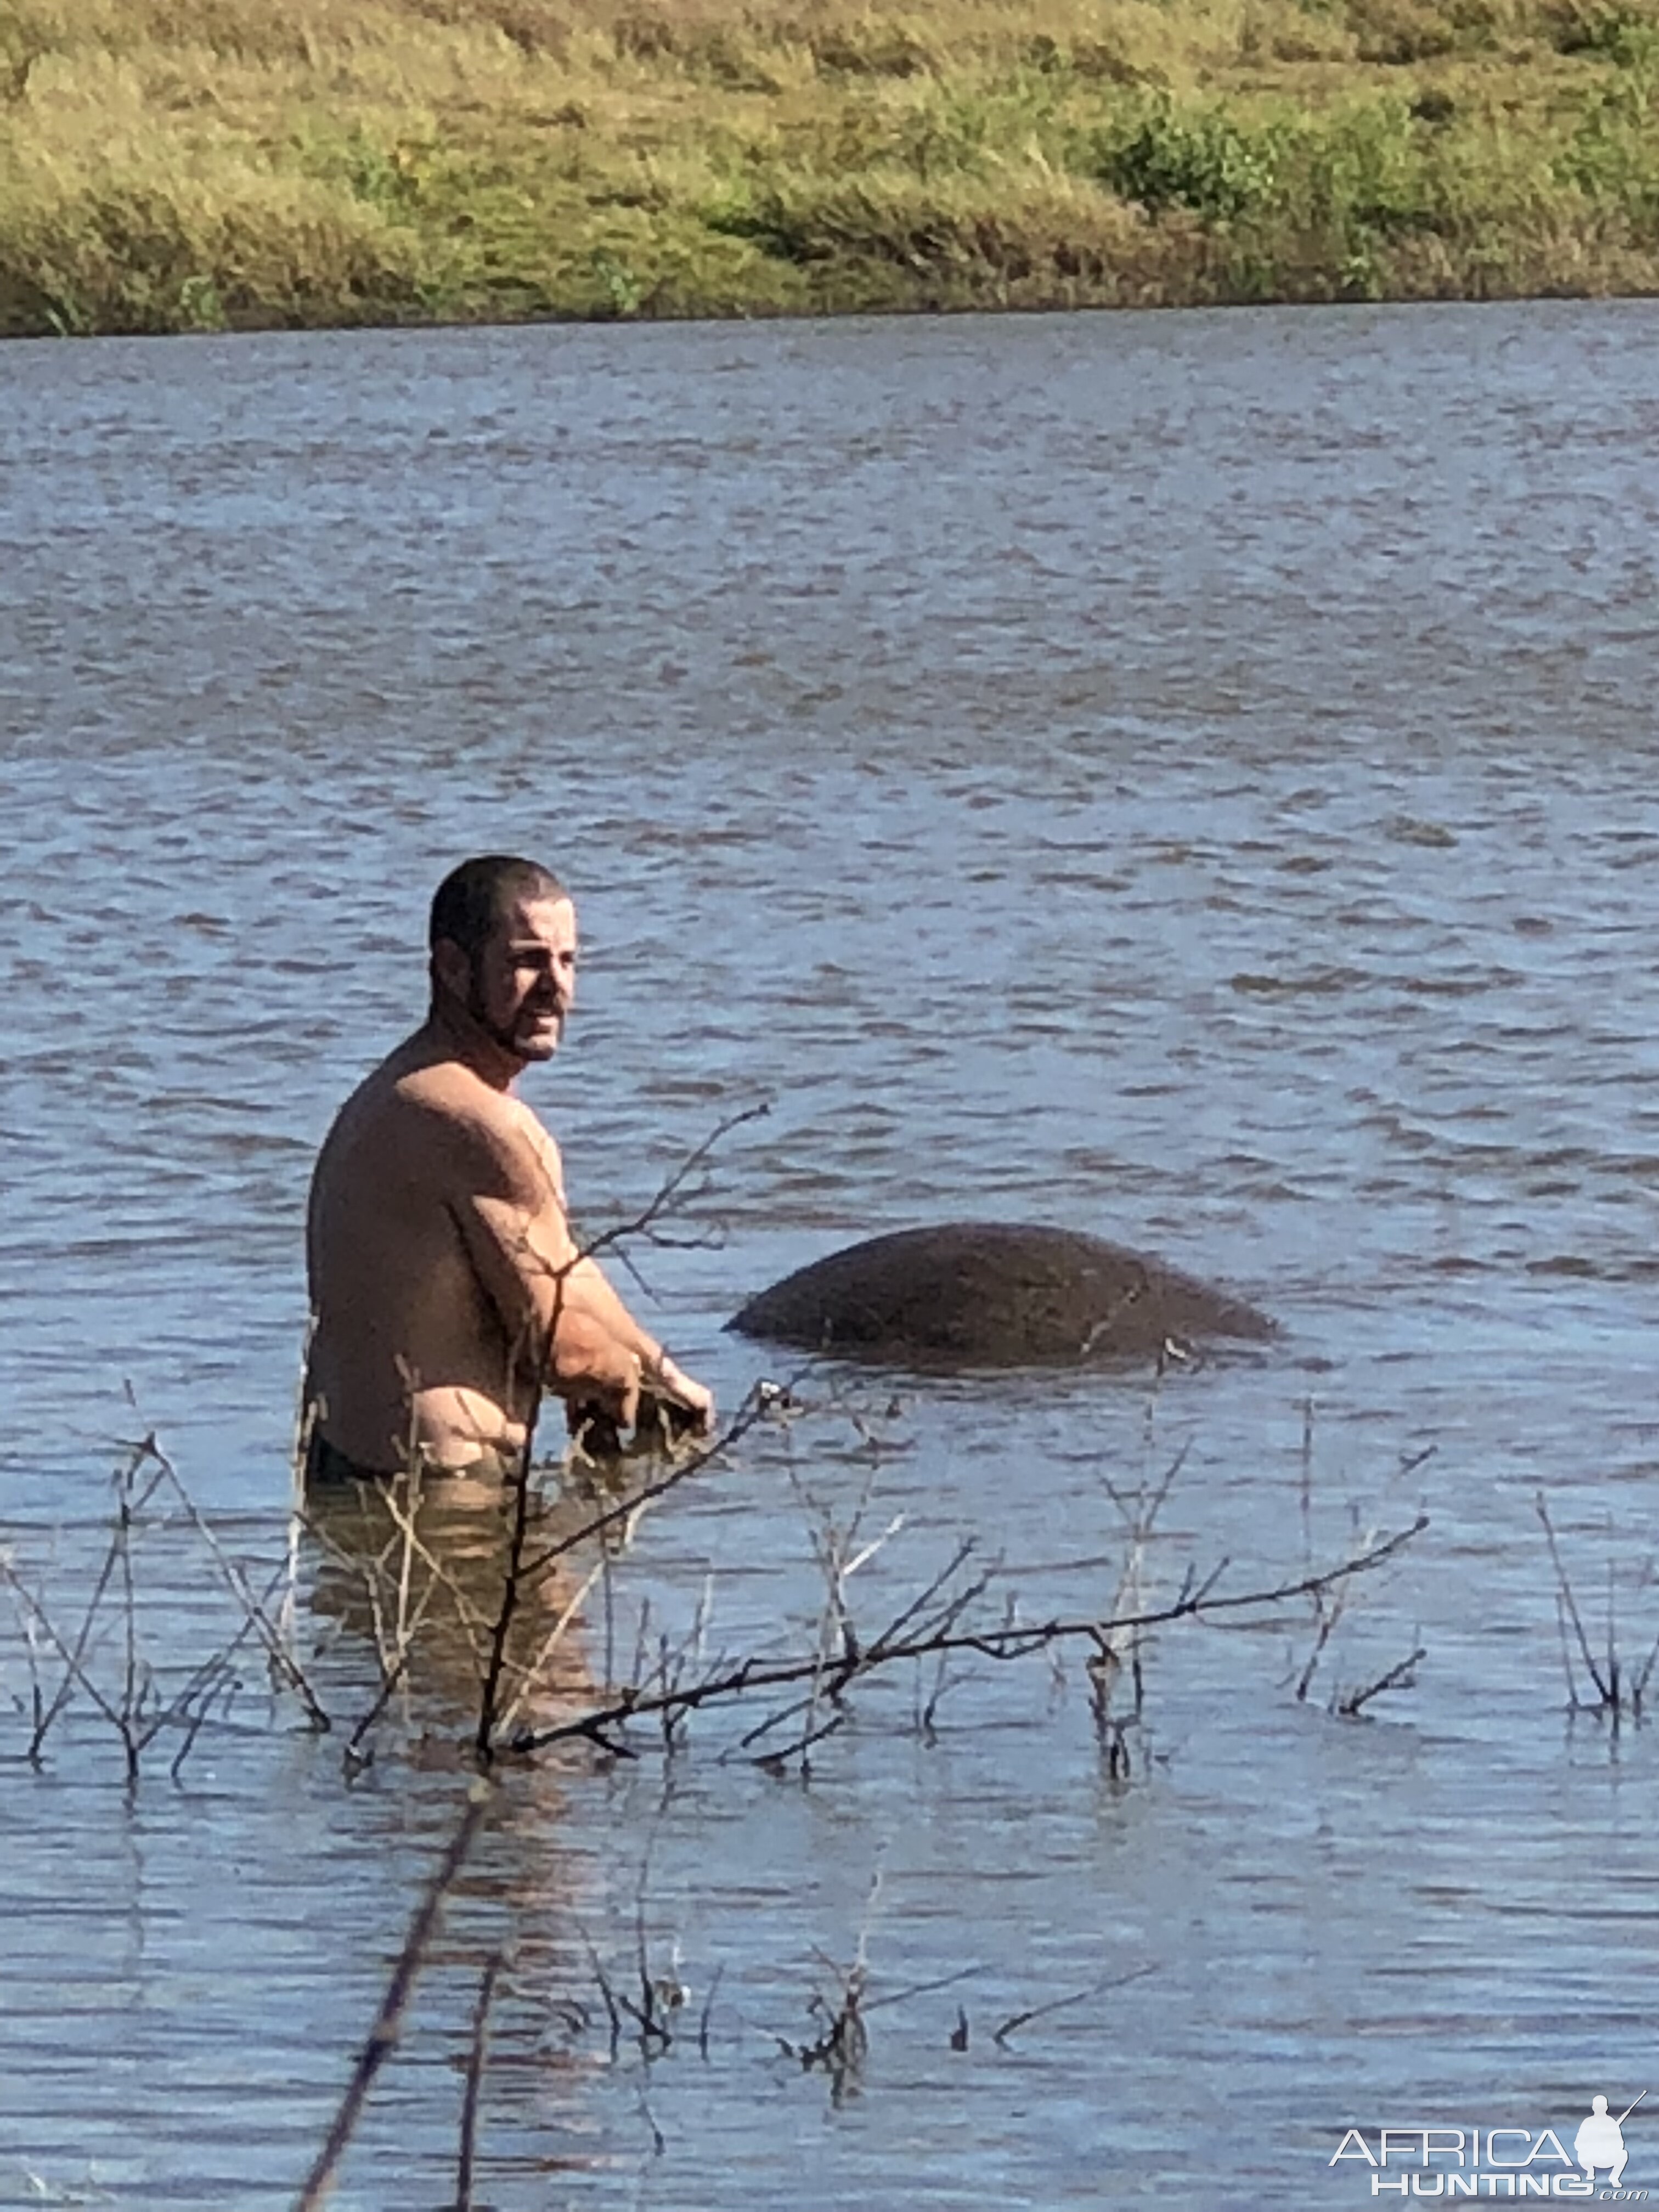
column 1188, row 776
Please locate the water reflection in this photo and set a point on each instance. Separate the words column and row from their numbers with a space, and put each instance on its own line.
column 470, row 1600
column 462, row 1606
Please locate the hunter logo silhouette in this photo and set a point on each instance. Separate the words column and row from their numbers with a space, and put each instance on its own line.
column 1600, row 2139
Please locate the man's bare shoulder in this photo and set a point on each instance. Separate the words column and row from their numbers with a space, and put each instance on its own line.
column 446, row 1090
column 488, row 1133
column 426, row 1114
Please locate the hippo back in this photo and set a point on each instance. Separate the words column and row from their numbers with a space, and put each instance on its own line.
column 976, row 1293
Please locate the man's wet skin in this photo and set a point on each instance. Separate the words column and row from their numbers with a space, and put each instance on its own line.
column 447, row 1289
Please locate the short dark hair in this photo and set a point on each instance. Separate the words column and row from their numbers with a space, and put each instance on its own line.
column 472, row 898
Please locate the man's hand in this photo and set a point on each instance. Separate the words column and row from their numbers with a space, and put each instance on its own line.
column 591, row 1370
column 658, row 1400
column 672, row 1382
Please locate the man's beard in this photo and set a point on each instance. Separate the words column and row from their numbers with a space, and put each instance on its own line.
column 501, row 1033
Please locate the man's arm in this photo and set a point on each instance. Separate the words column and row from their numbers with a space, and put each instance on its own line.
column 515, row 1235
column 659, row 1373
column 556, row 1303
column 589, row 1288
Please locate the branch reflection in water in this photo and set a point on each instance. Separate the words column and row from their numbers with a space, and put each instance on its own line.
column 427, row 1576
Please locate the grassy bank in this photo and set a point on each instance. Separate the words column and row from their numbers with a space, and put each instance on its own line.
column 193, row 164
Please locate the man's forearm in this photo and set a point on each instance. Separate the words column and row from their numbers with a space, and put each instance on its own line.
column 590, row 1312
column 587, row 1291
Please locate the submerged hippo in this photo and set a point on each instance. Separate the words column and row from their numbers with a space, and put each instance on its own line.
column 993, row 1294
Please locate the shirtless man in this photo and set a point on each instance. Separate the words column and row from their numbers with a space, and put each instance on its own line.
column 446, row 1289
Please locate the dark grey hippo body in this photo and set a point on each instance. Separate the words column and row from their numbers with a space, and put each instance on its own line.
column 993, row 1294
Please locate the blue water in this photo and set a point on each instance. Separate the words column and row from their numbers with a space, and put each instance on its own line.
column 1187, row 776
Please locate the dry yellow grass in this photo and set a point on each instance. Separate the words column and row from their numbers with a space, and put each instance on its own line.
column 176, row 164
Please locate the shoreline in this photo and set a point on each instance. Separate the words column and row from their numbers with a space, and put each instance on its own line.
column 453, row 163
column 808, row 317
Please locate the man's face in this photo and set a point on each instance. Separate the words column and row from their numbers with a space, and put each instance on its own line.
column 521, row 985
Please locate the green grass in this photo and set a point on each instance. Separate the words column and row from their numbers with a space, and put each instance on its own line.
column 173, row 165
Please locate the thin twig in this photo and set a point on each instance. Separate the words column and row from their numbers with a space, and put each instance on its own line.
column 389, row 2020
column 708, row 2011
column 1399, row 1675
column 281, row 1659
column 1565, row 1588
column 1019, row 2019
column 475, row 2069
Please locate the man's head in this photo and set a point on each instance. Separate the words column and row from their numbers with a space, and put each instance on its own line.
column 504, row 943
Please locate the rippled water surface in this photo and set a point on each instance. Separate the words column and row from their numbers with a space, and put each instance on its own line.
column 1190, row 776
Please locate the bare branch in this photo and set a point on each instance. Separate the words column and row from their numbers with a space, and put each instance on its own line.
column 1058, row 2004
column 1564, row 1587
column 1398, row 1677
column 669, row 1192
column 281, row 1659
column 475, row 2067
column 389, row 2020
column 1004, row 1644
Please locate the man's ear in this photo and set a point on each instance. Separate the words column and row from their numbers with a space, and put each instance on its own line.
column 451, row 971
